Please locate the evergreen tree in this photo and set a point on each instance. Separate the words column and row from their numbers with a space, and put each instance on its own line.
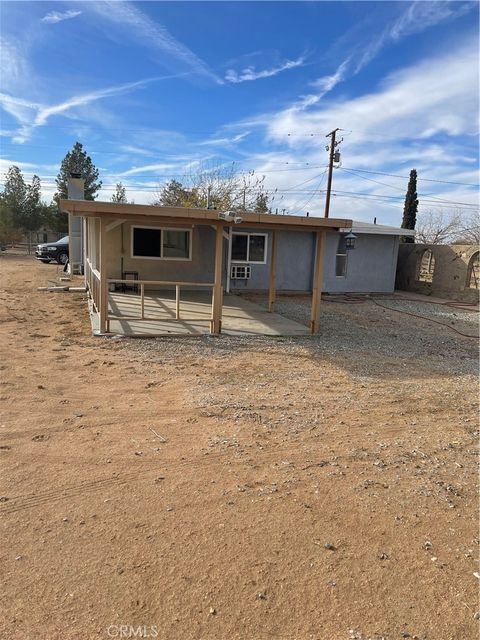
column 32, row 215
column 77, row 161
column 261, row 204
column 411, row 205
column 120, row 195
column 14, row 196
column 174, row 194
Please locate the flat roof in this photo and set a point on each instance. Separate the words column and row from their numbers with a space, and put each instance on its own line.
column 182, row 215
column 380, row 229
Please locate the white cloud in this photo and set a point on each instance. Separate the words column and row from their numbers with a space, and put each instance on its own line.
column 137, row 25
column 327, row 83
column 148, row 168
column 225, row 141
column 421, row 15
column 437, row 95
column 31, row 115
column 57, row 16
column 249, row 73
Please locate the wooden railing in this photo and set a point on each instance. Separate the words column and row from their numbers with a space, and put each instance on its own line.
column 155, row 283
column 92, row 277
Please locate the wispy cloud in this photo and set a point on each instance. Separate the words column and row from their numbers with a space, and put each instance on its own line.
column 138, row 26
column 225, row 141
column 440, row 105
column 31, row 115
column 249, row 73
column 58, row 16
column 422, row 15
column 148, row 168
column 417, row 17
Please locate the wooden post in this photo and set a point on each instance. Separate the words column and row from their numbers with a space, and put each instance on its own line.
column 177, row 301
column 142, row 300
column 273, row 273
column 217, row 286
column 103, row 279
column 317, row 282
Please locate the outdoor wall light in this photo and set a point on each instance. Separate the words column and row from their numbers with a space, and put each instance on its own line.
column 350, row 240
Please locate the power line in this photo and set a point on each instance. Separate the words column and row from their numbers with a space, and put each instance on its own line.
column 393, row 175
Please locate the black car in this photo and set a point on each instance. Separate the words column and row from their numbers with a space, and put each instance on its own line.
column 49, row 251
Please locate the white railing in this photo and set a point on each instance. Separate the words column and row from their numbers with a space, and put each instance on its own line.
column 154, row 283
column 92, row 277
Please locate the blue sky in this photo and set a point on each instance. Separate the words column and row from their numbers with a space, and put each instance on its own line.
column 154, row 90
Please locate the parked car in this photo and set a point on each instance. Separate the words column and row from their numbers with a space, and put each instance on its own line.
column 49, row 251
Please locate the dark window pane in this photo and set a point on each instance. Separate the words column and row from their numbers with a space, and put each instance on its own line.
column 176, row 244
column 342, row 244
column 341, row 266
column 146, row 242
column 257, row 249
column 239, row 247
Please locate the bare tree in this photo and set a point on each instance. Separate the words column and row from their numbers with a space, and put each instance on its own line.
column 218, row 186
column 469, row 231
column 438, row 226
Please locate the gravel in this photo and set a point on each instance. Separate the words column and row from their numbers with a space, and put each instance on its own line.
column 348, row 331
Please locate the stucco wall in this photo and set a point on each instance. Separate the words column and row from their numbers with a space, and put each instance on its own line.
column 199, row 269
column 450, row 273
column 370, row 266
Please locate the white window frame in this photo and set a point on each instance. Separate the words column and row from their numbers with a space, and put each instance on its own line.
column 161, row 229
column 345, row 255
column 247, row 233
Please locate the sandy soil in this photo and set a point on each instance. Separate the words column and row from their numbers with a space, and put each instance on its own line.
column 214, row 489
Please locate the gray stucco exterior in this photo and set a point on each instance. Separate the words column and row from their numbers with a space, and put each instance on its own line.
column 371, row 266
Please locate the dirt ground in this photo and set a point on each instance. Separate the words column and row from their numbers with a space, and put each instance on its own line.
column 214, row 488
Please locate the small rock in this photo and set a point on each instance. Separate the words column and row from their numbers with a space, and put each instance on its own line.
column 40, row 386
column 4, row 499
column 427, row 545
column 18, row 557
column 262, row 595
column 476, row 616
column 330, row 546
column 212, row 611
column 383, row 556
column 139, row 453
column 169, row 509
column 64, row 519
column 160, row 478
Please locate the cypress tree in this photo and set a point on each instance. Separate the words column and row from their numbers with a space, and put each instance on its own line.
column 77, row 161
column 411, row 206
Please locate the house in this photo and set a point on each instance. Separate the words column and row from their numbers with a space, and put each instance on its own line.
column 143, row 249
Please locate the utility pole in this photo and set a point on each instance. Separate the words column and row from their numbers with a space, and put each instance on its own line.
column 330, row 147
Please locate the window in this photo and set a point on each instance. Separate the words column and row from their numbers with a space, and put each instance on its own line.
column 341, row 258
column 249, row 247
column 166, row 244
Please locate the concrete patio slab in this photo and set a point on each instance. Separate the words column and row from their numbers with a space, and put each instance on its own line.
column 240, row 317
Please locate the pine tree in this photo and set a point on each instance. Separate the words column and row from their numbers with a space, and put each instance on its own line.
column 77, row 161
column 174, row 194
column 120, row 195
column 14, row 196
column 32, row 216
column 261, row 203
column 411, row 205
